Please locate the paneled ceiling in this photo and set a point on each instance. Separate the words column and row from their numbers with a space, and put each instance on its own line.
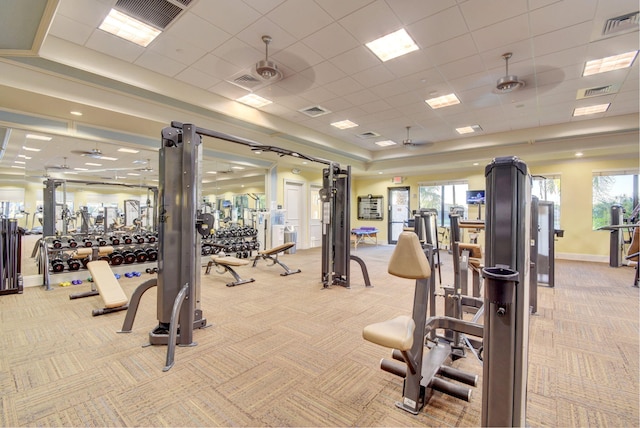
column 127, row 93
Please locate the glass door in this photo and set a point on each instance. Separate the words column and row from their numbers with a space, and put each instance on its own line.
column 398, row 212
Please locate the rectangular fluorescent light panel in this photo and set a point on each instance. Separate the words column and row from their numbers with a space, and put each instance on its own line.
column 254, row 100
column 344, row 124
column 30, row 149
column 38, row 137
column 128, row 28
column 24, row 157
column 108, row 158
column 468, row 129
column 582, row 111
column 81, row 169
column 20, row 162
column 17, row 166
column 237, row 167
column 443, row 101
column 609, row 63
column 392, row 45
column 133, row 174
column 93, row 164
column 125, row 150
column 385, row 143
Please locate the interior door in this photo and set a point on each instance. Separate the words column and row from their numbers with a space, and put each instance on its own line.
column 294, row 209
column 398, row 212
column 315, row 213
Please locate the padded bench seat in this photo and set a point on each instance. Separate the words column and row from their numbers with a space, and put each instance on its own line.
column 396, row 333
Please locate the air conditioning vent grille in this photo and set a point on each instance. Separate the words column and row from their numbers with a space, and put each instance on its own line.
column 369, row 134
column 597, row 91
column 621, row 23
column 314, row 111
column 157, row 13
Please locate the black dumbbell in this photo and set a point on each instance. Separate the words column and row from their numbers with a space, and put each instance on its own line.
column 129, row 257
column 152, row 254
column 86, row 260
column 151, row 239
column 127, row 239
column 101, row 241
column 114, row 240
column 139, row 239
column 87, row 242
column 151, row 270
column 72, row 243
column 116, row 258
column 57, row 265
column 73, row 264
column 56, row 243
column 141, row 255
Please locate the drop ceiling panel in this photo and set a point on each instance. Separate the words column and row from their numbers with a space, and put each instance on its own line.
column 478, row 15
column 196, row 78
column 230, row 16
column 297, row 57
column 355, row 60
column 559, row 40
column 503, row 33
column 300, row 18
column 452, row 50
column 410, row 11
column 331, row 41
column 159, row 63
column 561, row 15
column 175, row 48
column 114, row 46
column 264, row 6
column 87, row 12
column 215, row 66
column 438, row 28
column 73, row 31
column 371, row 22
column 205, row 36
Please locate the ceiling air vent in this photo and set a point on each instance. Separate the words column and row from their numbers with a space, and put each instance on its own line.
column 621, row 23
column 369, row 134
column 314, row 111
column 246, row 81
column 157, row 13
column 597, row 91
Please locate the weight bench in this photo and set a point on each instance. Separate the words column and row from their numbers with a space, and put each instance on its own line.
column 275, row 251
column 107, row 286
column 227, row 264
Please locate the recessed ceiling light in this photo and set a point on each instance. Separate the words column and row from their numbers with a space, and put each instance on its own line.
column 81, row 169
column 254, row 100
column 24, row 157
column 385, row 143
column 108, row 158
column 379, row 172
column 38, row 137
column 126, row 150
column 19, row 162
column 30, row 149
column 476, row 163
column 237, row 167
column 212, row 172
column 609, row 63
column 76, row 113
column 599, row 108
column 344, row 124
column 93, row 164
column 393, row 45
column 443, row 101
column 469, row 129
column 135, row 174
column 579, row 154
column 128, row 28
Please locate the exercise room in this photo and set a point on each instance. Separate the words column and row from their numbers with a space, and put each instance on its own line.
column 319, row 213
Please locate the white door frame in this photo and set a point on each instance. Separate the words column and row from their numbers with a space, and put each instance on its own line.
column 303, row 226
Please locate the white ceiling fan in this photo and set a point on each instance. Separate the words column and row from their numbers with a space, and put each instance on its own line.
column 409, row 143
column 61, row 166
column 509, row 82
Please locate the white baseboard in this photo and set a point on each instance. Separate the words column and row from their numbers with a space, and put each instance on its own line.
column 583, row 257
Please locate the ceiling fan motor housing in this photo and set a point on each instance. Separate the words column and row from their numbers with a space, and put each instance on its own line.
column 267, row 69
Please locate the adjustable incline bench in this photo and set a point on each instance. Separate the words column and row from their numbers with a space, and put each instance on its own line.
column 108, row 288
column 227, row 263
column 268, row 255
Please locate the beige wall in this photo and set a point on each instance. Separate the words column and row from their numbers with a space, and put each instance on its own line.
column 579, row 242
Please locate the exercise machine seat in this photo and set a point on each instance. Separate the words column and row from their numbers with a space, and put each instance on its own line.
column 229, row 261
column 396, row 333
column 276, row 250
column 408, row 259
column 107, row 284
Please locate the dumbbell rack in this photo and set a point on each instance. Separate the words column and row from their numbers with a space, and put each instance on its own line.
column 60, row 260
column 239, row 241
